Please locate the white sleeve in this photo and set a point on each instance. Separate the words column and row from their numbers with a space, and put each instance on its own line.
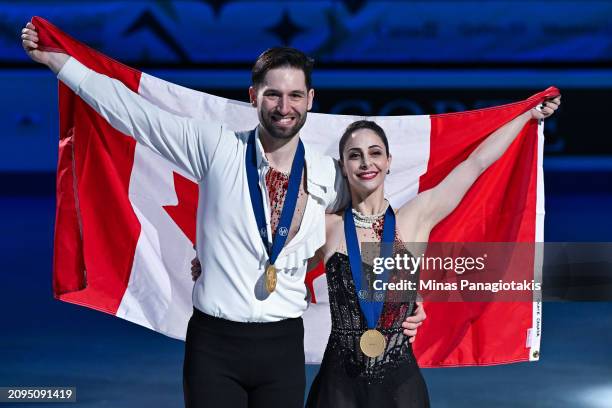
column 189, row 143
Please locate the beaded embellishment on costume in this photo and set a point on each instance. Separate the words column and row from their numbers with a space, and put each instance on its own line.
column 277, row 183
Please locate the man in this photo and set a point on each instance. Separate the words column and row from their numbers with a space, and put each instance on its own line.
column 244, row 344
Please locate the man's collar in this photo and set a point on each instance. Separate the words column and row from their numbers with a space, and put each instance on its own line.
column 316, row 170
column 259, row 151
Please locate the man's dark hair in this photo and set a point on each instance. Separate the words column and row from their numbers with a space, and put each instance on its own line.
column 278, row 57
column 363, row 124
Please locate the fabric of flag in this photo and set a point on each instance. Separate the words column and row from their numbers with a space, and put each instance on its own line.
column 126, row 217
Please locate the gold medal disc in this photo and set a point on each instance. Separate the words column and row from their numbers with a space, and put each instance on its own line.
column 270, row 278
column 372, row 343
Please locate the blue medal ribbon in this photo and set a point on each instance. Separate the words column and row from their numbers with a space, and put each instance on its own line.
column 371, row 308
column 282, row 230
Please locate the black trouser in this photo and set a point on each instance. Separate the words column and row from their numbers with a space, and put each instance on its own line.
column 232, row 364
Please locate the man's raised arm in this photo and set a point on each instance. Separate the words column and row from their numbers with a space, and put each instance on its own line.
column 189, row 143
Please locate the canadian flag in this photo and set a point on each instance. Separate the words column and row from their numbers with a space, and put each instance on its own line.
column 126, row 217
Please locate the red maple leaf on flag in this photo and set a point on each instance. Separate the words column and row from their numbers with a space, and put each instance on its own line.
column 184, row 212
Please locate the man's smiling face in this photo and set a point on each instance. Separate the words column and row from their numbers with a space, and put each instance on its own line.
column 282, row 101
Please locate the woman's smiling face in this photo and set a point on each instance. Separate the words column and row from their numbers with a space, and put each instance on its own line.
column 365, row 160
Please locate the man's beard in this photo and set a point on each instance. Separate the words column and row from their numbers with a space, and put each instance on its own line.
column 280, row 132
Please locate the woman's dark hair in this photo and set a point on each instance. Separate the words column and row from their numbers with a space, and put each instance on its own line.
column 278, row 57
column 363, row 124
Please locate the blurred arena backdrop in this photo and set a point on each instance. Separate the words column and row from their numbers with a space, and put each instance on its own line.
column 372, row 58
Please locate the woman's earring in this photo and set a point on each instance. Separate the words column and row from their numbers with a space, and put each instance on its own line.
column 389, row 171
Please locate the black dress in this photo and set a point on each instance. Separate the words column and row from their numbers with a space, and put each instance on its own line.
column 350, row 379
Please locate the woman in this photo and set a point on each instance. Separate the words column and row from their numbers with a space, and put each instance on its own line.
column 362, row 371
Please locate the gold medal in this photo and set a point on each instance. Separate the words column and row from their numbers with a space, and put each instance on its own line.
column 270, row 278
column 372, row 343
